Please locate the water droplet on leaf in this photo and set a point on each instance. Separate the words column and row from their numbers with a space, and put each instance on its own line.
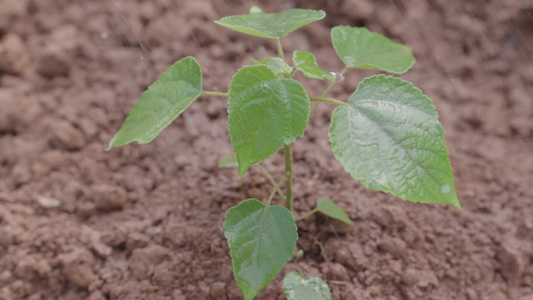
column 445, row 189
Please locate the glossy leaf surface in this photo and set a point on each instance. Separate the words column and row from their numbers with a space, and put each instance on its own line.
column 297, row 287
column 306, row 63
column 264, row 113
column 362, row 49
column 261, row 240
column 389, row 138
column 161, row 103
column 334, row 211
column 271, row 25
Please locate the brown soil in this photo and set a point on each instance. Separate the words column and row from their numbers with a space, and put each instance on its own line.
column 144, row 221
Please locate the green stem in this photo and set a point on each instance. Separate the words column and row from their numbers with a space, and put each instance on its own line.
column 343, row 71
column 280, row 49
column 330, row 86
column 271, row 195
column 272, row 181
column 329, row 100
column 314, row 107
column 206, row 93
column 327, row 90
column 288, row 176
column 307, row 214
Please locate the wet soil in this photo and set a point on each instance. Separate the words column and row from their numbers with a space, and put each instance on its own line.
column 145, row 221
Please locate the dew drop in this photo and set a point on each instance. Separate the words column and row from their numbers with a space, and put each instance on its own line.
column 337, row 76
column 445, row 189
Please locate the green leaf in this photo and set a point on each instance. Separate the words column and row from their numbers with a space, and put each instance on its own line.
column 161, row 103
column 306, row 62
column 272, row 26
column 334, row 211
column 277, row 65
column 261, row 240
column 228, row 161
column 389, row 138
column 297, row 287
column 264, row 113
column 362, row 49
column 255, row 9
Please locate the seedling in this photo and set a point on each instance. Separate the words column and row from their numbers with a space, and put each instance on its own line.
column 387, row 135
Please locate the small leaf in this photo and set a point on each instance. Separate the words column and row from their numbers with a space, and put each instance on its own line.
column 228, row 161
column 277, row 65
column 272, row 26
column 299, row 254
column 362, row 49
column 334, row 211
column 161, row 103
column 255, row 10
column 306, row 62
column 389, row 138
column 261, row 240
column 297, row 287
column 264, row 113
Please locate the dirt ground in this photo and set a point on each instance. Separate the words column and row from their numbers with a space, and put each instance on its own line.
column 145, row 221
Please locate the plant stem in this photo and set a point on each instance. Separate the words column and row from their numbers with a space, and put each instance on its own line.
column 206, row 93
column 269, row 177
column 329, row 100
column 327, row 90
column 280, row 49
column 330, row 86
column 288, row 176
column 272, row 195
column 343, row 71
column 307, row 214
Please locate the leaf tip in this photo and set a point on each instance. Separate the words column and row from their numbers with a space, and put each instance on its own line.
column 111, row 144
column 242, row 170
column 455, row 203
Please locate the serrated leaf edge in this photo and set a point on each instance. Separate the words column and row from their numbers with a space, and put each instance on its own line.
column 146, row 141
column 372, row 66
column 456, row 204
column 246, row 297
column 241, row 171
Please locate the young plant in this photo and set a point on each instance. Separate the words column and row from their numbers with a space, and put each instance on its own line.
column 387, row 135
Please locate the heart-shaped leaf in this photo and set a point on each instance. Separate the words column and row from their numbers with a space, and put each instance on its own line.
column 265, row 112
column 362, row 49
column 297, row 287
column 261, row 240
column 274, row 25
column 389, row 138
column 161, row 103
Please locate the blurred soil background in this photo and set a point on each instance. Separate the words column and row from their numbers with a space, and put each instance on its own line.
column 145, row 221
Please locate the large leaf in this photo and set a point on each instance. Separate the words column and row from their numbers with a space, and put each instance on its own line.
column 161, row 103
column 297, row 287
column 261, row 240
column 265, row 113
column 306, row 63
column 272, row 26
column 334, row 211
column 360, row 48
column 389, row 138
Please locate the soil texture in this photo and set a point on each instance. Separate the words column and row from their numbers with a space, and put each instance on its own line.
column 145, row 221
